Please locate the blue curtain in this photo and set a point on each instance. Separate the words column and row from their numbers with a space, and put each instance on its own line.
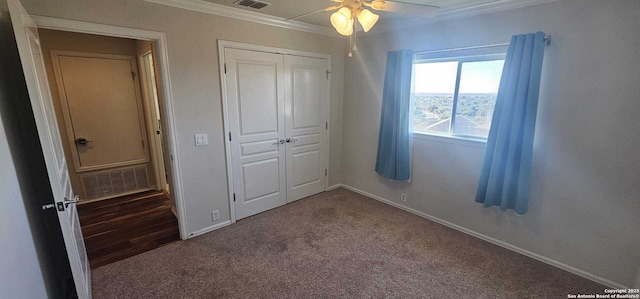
column 394, row 158
column 506, row 172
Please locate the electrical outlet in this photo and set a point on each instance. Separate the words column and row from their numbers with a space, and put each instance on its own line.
column 403, row 197
column 215, row 215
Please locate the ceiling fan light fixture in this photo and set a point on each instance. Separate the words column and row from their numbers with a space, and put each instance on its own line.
column 367, row 19
column 342, row 21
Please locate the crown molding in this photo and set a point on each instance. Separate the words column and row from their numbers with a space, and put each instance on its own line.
column 490, row 7
column 260, row 18
column 460, row 12
column 236, row 13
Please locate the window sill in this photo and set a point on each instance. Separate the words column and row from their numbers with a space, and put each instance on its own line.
column 481, row 143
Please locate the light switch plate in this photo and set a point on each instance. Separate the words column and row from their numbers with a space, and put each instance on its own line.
column 201, row 139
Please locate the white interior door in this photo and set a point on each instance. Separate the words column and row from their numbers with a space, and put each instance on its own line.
column 103, row 109
column 306, row 125
column 34, row 71
column 256, row 123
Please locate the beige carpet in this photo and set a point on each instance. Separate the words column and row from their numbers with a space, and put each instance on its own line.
column 335, row 244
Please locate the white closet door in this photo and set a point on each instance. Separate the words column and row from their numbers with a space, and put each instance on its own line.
column 306, row 99
column 255, row 96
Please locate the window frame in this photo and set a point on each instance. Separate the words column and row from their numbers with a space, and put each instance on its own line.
column 461, row 59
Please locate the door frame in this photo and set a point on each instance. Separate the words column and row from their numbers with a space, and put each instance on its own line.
column 68, row 121
column 222, row 46
column 150, row 117
column 163, row 57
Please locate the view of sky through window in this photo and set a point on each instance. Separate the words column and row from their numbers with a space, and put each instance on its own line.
column 481, row 76
column 434, row 88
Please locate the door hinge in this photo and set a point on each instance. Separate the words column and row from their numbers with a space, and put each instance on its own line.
column 234, row 197
column 225, row 67
column 326, row 125
column 171, row 157
column 142, row 143
column 229, row 136
column 328, row 72
column 325, row 172
column 133, row 75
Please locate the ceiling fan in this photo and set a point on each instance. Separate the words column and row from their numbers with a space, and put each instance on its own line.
column 343, row 20
column 348, row 11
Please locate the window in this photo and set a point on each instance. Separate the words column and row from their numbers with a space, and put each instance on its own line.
column 456, row 96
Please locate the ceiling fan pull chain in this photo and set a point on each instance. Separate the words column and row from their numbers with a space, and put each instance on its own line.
column 355, row 37
column 350, row 45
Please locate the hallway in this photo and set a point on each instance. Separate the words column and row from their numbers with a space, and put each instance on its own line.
column 118, row 228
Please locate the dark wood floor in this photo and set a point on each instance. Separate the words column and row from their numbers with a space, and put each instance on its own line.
column 117, row 228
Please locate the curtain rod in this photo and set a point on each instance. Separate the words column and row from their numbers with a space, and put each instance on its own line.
column 547, row 40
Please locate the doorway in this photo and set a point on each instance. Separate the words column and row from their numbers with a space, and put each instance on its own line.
column 108, row 111
column 104, row 114
column 25, row 28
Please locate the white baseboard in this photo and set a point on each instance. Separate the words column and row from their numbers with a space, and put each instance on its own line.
column 208, row 229
column 336, row 186
column 495, row 241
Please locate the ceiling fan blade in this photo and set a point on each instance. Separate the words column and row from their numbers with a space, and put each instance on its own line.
column 314, row 12
column 405, row 8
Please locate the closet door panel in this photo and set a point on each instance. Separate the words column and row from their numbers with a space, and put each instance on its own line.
column 255, row 95
column 306, row 99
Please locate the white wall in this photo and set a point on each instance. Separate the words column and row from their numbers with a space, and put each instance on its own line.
column 585, row 197
column 20, row 272
column 193, row 59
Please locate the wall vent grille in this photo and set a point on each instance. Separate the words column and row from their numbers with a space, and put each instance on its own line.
column 252, row 4
column 113, row 182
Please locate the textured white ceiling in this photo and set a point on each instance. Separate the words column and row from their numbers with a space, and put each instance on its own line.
column 291, row 8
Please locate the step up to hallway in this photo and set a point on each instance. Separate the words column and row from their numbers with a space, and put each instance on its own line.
column 118, row 228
